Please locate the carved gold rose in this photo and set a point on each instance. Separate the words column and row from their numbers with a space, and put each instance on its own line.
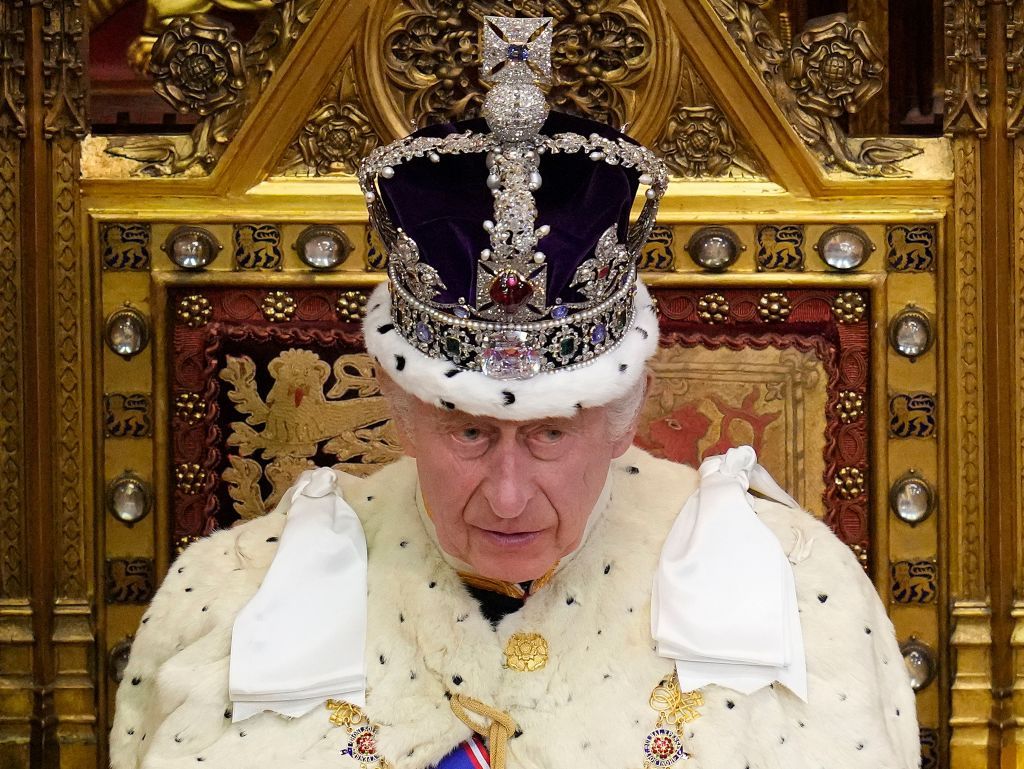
column 698, row 142
column 335, row 138
column 833, row 67
column 198, row 66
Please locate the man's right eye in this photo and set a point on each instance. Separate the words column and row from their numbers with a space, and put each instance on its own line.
column 470, row 434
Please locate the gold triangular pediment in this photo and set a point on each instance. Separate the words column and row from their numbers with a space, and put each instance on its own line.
column 704, row 82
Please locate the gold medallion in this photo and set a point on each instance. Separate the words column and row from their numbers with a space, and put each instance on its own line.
column 663, row 747
column 526, row 652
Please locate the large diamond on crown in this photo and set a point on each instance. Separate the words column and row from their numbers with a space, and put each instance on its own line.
column 510, row 355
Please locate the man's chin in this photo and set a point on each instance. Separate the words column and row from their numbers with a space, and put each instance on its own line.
column 509, row 568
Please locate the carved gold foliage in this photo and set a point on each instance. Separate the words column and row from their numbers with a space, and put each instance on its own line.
column 64, row 78
column 69, row 342
column 698, row 141
column 601, row 51
column 12, row 69
column 98, row 11
column 810, row 107
column 12, row 564
column 966, row 66
column 198, row 66
column 968, row 525
column 219, row 82
column 336, row 134
column 1018, row 276
column 299, row 420
column 1014, row 67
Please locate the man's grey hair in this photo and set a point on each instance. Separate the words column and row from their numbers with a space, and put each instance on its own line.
column 622, row 413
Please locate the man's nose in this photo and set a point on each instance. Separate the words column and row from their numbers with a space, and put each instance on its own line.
column 508, row 487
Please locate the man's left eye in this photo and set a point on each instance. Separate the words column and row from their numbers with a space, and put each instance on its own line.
column 550, row 435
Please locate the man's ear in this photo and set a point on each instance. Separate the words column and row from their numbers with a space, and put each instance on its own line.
column 620, row 446
column 399, row 405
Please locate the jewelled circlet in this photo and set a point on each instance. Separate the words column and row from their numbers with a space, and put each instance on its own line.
column 511, row 328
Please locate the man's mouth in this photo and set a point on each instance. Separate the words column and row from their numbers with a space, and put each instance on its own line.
column 516, row 539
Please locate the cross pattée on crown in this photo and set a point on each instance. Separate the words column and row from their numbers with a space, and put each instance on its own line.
column 516, row 49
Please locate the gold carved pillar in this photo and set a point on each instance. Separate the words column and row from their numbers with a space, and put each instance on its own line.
column 1013, row 710
column 16, row 616
column 57, row 469
column 984, row 45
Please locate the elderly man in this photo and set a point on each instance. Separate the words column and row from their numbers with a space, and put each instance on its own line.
column 524, row 589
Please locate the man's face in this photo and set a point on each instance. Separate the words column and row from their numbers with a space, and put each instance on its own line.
column 510, row 498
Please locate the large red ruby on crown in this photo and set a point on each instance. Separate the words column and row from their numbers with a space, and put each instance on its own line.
column 509, row 290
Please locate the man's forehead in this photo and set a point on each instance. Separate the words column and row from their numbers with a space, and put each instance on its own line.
column 456, row 417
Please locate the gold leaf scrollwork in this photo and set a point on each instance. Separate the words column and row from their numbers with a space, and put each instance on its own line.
column 600, row 51
column 1014, row 67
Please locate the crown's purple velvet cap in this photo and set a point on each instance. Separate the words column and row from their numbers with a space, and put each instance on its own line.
column 442, row 206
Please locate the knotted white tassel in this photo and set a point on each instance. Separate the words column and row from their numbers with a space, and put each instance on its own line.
column 724, row 602
column 301, row 639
